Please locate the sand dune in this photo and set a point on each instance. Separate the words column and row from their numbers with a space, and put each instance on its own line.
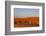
column 26, row 22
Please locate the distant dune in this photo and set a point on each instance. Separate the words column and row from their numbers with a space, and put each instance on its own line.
column 26, row 22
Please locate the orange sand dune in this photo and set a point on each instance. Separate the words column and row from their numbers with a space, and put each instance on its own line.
column 26, row 22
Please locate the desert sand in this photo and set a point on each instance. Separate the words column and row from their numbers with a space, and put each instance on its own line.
column 26, row 22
